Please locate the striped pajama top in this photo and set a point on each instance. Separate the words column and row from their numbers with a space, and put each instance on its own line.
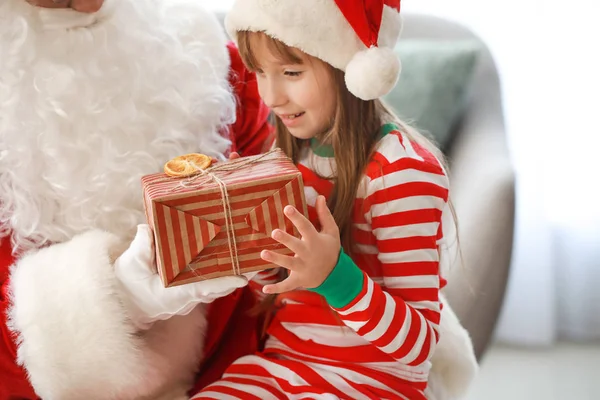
column 369, row 331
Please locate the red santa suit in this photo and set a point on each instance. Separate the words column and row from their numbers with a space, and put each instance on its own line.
column 64, row 331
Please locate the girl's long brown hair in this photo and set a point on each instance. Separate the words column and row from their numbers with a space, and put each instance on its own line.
column 354, row 132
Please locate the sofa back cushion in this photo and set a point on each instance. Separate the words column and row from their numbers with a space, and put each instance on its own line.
column 433, row 88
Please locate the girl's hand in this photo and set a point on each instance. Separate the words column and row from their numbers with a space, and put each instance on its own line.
column 232, row 156
column 316, row 253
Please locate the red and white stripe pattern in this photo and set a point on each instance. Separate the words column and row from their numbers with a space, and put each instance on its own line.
column 189, row 223
column 379, row 345
column 262, row 279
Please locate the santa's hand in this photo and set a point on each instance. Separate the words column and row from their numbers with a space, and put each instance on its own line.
column 147, row 299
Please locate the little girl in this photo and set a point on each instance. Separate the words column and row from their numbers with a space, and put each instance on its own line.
column 357, row 316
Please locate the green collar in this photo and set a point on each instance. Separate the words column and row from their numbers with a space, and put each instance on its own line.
column 322, row 150
column 326, row 150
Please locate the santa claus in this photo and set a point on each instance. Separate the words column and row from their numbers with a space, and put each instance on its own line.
column 94, row 94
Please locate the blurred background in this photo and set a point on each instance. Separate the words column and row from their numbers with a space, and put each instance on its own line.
column 509, row 89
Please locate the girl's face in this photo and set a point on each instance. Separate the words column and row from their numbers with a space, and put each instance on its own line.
column 302, row 95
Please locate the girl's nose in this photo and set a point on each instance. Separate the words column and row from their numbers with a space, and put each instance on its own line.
column 274, row 96
column 271, row 92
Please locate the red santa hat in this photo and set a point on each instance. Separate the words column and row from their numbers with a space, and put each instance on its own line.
column 356, row 36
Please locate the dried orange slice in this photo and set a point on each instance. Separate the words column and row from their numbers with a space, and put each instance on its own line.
column 187, row 164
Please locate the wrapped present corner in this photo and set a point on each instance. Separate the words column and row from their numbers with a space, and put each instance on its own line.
column 216, row 223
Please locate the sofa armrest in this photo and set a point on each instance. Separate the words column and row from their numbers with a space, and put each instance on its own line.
column 483, row 193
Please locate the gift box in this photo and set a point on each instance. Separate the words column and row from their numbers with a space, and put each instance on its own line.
column 216, row 222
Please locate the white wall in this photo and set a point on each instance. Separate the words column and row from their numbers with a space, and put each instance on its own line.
column 517, row 41
column 548, row 56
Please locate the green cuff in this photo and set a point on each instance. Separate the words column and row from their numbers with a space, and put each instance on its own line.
column 343, row 284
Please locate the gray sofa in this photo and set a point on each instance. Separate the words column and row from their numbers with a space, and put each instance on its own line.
column 483, row 189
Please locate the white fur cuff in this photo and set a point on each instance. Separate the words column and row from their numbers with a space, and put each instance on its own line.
column 454, row 365
column 74, row 337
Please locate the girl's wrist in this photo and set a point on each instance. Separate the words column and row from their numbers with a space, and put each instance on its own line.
column 343, row 284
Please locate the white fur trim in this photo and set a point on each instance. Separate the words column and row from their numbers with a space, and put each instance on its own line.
column 454, row 365
column 316, row 27
column 391, row 28
column 74, row 337
column 372, row 73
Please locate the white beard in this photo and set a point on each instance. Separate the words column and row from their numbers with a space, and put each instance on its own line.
column 85, row 112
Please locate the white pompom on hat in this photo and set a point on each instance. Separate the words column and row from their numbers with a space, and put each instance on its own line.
column 355, row 36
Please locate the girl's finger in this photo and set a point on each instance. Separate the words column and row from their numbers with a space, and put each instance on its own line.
column 286, row 262
column 327, row 221
column 303, row 225
column 286, row 285
column 293, row 243
column 234, row 155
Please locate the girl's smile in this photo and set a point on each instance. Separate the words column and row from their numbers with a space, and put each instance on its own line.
column 291, row 120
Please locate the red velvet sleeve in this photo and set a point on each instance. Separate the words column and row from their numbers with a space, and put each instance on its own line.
column 251, row 133
column 13, row 380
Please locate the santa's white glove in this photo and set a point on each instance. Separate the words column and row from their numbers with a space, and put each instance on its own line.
column 147, row 300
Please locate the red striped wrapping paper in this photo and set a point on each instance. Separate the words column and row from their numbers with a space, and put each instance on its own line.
column 188, row 219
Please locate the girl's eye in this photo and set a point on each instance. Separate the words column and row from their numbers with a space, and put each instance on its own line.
column 292, row 73
column 259, row 72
